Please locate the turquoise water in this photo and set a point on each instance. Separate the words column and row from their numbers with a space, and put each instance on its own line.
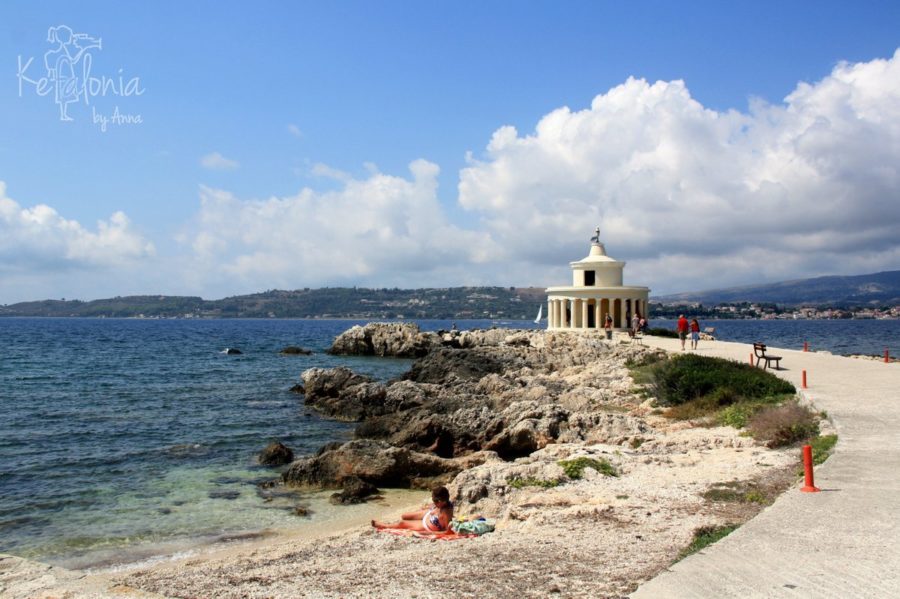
column 124, row 439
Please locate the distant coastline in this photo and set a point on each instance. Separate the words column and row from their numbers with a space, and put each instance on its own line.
column 459, row 303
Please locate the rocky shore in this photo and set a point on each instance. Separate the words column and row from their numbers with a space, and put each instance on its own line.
column 501, row 417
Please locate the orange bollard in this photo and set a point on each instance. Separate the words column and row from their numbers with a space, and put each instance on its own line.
column 803, row 385
column 751, row 358
column 887, row 356
column 805, row 346
column 810, row 485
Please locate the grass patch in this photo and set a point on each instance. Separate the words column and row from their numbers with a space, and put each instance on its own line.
column 521, row 483
column 648, row 358
column 822, row 447
column 706, row 536
column 574, row 469
column 735, row 493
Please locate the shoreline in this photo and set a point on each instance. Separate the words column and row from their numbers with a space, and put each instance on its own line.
column 677, row 453
column 660, row 475
column 395, row 501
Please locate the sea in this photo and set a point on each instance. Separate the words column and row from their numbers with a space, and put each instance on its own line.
column 124, row 441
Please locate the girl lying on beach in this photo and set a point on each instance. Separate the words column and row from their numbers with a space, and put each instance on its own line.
column 433, row 519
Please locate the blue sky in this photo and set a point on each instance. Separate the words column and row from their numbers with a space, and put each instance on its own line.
column 276, row 142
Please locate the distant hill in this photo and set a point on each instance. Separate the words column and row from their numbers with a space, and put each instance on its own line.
column 337, row 302
column 882, row 288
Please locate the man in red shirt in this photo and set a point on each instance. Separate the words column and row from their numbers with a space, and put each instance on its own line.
column 682, row 329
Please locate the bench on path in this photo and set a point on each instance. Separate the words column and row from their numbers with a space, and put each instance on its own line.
column 759, row 349
column 636, row 336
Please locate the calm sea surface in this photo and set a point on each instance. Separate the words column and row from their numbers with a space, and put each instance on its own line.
column 124, row 439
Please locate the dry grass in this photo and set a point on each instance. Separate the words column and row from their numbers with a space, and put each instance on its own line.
column 785, row 424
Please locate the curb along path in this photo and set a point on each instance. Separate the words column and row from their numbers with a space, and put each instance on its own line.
column 843, row 542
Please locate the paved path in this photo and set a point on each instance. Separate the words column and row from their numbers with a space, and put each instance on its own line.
column 843, row 542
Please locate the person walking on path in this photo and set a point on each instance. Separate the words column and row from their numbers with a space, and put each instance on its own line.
column 695, row 333
column 682, row 329
column 635, row 323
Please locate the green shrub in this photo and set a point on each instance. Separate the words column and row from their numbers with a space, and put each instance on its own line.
column 706, row 536
column 735, row 415
column 689, row 377
column 660, row 332
column 574, row 469
column 785, row 424
column 519, row 483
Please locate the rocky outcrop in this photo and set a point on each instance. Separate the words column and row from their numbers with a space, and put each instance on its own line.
column 509, row 393
column 342, row 394
column 374, row 462
column 402, row 340
column 276, row 454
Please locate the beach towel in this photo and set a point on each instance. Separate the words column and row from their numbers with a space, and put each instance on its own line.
column 440, row 536
column 471, row 527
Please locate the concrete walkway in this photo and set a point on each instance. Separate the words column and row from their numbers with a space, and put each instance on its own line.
column 843, row 542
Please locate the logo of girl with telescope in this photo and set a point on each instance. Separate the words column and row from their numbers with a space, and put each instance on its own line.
column 61, row 62
column 68, row 78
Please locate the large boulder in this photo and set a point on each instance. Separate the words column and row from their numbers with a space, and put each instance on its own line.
column 374, row 462
column 447, row 365
column 276, row 454
column 353, row 490
column 402, row 340
column 342, row 394
column 531, row 427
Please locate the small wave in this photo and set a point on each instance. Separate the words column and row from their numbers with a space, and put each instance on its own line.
column 186, row 450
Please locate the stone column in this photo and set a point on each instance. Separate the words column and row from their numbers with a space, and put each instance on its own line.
column 570, row 321
column 584, row 314
column 597, row 324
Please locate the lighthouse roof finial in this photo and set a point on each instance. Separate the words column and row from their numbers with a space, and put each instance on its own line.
column 596, row 237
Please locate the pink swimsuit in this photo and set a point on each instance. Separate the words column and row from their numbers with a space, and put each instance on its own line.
column 431, row 520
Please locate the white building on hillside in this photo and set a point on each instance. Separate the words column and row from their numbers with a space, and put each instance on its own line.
column 596, row 291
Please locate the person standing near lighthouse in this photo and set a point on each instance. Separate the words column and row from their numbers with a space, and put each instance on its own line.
column 682, row 330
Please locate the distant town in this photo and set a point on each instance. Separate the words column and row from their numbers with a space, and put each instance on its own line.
column 766, row 311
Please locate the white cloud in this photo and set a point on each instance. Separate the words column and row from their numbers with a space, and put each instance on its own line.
column 381, row 230
column 320, row 169
column 215, row 161
column 294, row 130
column 694, row 198
column 39, row 240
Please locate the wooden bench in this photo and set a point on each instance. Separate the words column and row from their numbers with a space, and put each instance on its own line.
column 759, row 349
column 636, row 336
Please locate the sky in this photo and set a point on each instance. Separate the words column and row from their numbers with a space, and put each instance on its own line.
column 222, row 148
